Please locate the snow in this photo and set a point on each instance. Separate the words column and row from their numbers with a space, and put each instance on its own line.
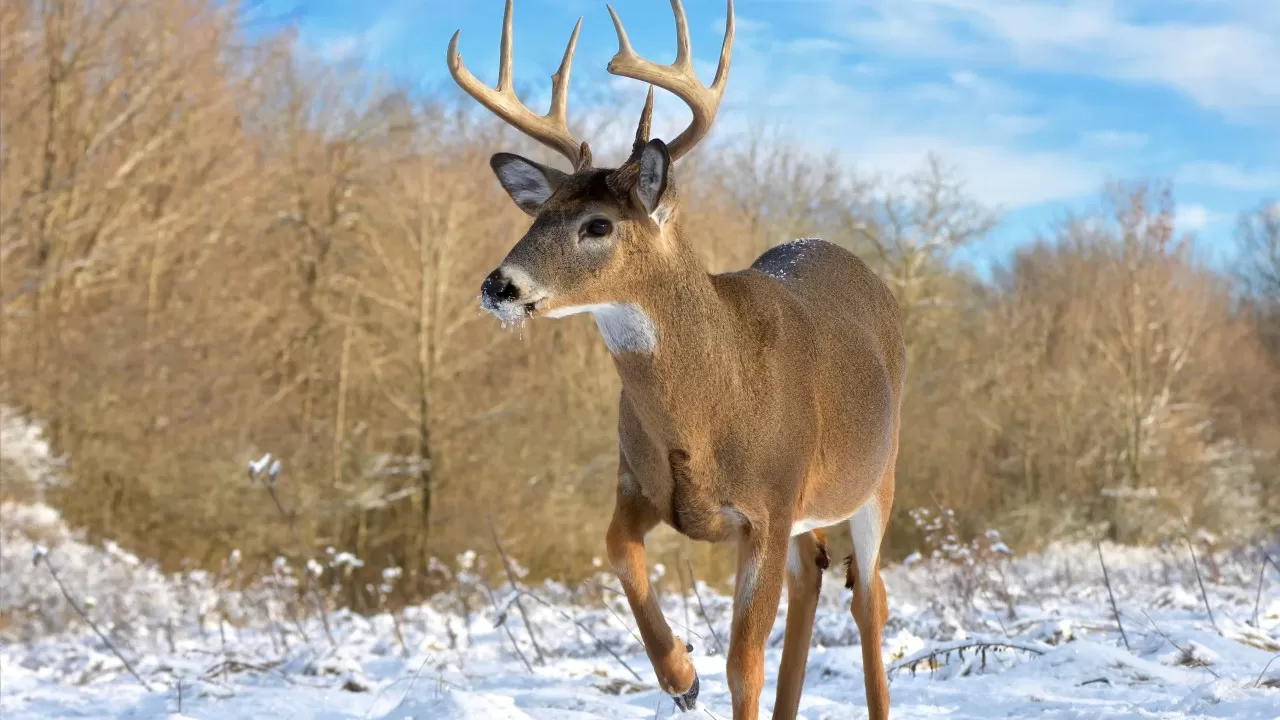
column 224, row 645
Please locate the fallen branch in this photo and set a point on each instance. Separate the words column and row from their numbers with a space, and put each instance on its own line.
column 231, row 665
column 961, row 646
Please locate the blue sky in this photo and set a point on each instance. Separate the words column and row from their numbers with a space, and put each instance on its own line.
column 1036, row 102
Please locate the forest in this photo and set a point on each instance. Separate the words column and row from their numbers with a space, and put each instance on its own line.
column 216, row 245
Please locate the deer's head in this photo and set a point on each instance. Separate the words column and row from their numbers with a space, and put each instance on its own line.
column 598, row 234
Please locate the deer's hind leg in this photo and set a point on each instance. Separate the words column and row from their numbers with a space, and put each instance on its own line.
column 806, row 561
column 870, row 606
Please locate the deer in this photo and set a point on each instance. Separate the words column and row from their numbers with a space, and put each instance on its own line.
column 757, row 406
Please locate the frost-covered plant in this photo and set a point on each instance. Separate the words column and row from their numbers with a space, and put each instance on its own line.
column 970, row 573
column 465, row 589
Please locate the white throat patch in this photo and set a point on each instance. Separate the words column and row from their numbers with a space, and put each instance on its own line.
column 624, row 326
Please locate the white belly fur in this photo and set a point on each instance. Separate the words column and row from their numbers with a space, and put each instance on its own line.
column 804, row 525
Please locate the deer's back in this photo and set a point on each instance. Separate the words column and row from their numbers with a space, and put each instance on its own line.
column 843, row 344
column 853, row 312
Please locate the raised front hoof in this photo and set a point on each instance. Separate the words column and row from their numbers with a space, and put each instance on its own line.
column 689, row 700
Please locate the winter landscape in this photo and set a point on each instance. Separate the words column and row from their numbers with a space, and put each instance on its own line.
column 343, row 378
column 977, row 632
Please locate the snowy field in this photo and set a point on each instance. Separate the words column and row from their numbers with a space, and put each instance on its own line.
column 976, row 634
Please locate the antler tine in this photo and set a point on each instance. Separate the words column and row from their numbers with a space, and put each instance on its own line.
column 504, row 52
column 560, row 81
column 683, row 60
column 726, row 49
column 678, row 78
column 551, row 129
column 646, row 118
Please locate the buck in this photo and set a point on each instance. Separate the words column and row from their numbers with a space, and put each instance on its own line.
column 757, row 406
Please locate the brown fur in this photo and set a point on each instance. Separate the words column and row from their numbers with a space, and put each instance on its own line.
column 771, row 395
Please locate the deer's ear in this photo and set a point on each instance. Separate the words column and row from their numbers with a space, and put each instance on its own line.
column 652, row 180
column 528, row 183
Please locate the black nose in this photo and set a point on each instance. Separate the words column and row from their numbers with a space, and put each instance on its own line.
column 499, row 288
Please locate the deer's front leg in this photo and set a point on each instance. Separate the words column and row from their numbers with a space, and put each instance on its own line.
column 762, row 558
column 633, row 517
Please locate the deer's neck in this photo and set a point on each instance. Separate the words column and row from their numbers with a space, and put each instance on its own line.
column 675, row 342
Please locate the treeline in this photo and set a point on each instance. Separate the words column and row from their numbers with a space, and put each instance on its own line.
column 216, row 245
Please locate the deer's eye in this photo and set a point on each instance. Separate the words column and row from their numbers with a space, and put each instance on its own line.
column 596, row 228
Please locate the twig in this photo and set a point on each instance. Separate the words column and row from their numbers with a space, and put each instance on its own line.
column 288, row 516
column 1185, row 652
column 1203, row 594
column 313, row 590
column 693, row 579
column 407, row 690
column 222, row 635
column 1262, row 572
column 584, row 629
column 507, row 628
column 1115, row 610
column 615, row 614
column 84, row 616
column 1258, row 682
column 605, row 588
column 269, row 482
column 684, row 595
column 293, row 615
column 395, row 624
column 511, row 577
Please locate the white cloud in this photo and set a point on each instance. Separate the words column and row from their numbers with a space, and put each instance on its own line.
column 880, row 124
column 1227, row 62
column 339, row 49
column 1199, row 218
column 1114, row 140
column 995, row 175
column 1230, row 177
column 363, row 43
column 1191, row 217
column 1013, row 143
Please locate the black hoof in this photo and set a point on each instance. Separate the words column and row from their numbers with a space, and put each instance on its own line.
column 689, row 700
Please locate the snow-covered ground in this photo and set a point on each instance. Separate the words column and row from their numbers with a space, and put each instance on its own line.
column 222, row 646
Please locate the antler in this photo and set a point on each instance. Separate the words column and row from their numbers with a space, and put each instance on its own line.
column 550, row 129
column 678, row 77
